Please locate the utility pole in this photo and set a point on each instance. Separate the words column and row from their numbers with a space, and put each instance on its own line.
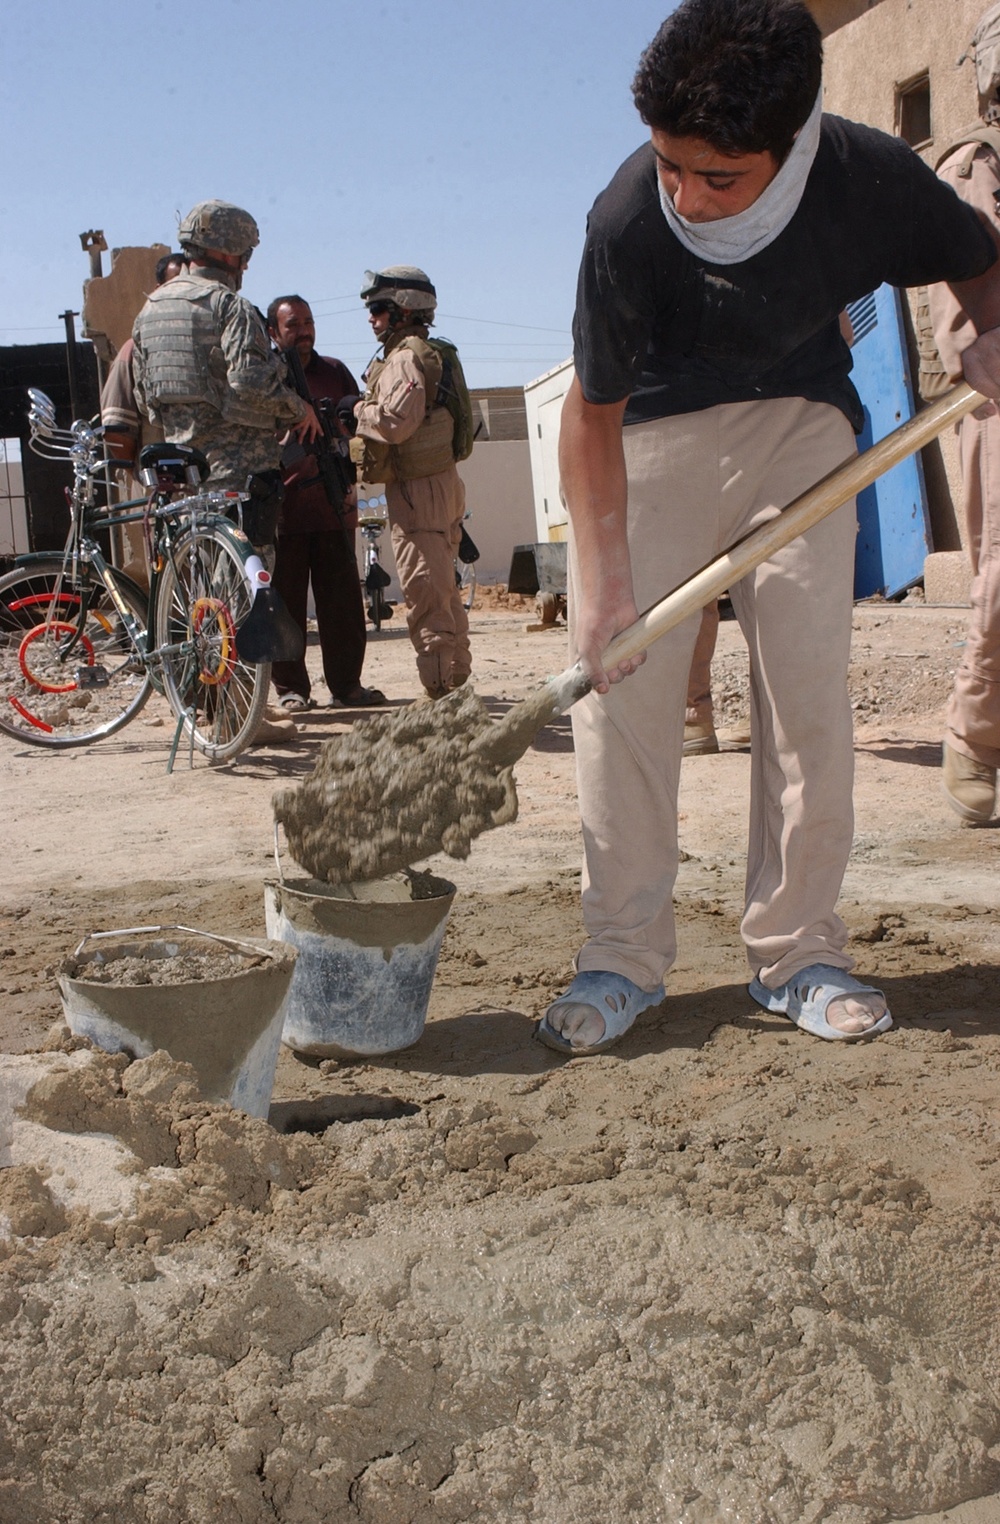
column 74, row 381
column 93, row 243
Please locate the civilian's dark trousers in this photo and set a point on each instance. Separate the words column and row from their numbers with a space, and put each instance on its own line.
column 327, row 559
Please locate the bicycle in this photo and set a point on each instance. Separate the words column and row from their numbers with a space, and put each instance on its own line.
column 82, row 646
column 372, row 521
column 376, row 579
column 465, row 567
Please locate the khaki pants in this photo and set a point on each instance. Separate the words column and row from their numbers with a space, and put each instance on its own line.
column 973, row 718
column 426, row 518
column 697, row 483
column 699, row 708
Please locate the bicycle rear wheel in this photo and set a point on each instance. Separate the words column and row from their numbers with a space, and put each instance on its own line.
column 202, row 599
column 64, row 682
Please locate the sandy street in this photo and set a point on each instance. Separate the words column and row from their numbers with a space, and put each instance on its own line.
column 725, row 1274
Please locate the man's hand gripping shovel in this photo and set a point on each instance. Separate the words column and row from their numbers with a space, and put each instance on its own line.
column 822, row 499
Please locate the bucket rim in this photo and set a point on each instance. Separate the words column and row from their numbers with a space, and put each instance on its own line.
column 443, row 889
column 278, row 954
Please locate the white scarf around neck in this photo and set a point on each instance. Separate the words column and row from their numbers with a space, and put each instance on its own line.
column 730, row 240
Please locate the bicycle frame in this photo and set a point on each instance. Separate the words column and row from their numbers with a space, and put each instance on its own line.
column 182, row 632
column 201, row 511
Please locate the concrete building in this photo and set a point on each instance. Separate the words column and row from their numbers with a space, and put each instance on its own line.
column 896, row 65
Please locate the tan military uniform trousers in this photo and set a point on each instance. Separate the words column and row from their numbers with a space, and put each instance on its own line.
column 426, row 518
column 972, row 724
column 696, row 484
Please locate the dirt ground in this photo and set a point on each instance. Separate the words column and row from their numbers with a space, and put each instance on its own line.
column 726, row 1272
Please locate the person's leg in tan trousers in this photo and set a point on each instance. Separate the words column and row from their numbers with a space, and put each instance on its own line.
column 696, row 484
column 972, row 726
column 426, row 517
column 700, row 738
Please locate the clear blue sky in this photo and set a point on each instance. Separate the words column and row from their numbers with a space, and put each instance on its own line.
column 468, row 138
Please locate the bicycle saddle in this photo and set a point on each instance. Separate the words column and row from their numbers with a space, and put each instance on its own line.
column 175, row 462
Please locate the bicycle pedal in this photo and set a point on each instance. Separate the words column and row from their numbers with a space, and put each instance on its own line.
column 92, row 677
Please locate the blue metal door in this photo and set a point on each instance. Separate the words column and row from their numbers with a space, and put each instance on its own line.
column 894, row 528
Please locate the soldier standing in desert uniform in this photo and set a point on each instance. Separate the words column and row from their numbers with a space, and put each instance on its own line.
column 408, row 439
column 971, row 752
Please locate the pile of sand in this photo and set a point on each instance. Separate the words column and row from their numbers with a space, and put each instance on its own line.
column 437, row 1317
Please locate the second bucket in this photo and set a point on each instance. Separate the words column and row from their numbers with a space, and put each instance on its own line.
column 367, row 954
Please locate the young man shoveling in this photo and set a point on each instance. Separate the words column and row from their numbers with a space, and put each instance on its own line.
column 712, row 387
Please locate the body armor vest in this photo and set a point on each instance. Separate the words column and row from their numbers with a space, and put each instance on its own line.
column 179, row 333
column 429, row 450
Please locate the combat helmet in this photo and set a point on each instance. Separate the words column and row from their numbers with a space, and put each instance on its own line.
column 404, row 285
column 219, row 225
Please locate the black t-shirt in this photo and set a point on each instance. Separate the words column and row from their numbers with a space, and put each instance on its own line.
column 674, row 334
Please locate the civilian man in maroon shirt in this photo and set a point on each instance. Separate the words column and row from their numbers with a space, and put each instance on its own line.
column 315, row 542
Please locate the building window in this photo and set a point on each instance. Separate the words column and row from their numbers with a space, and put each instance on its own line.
column 913, row 111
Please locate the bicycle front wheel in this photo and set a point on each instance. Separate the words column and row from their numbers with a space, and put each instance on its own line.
column 69, row 673
column 465, row 574
column 202, row 599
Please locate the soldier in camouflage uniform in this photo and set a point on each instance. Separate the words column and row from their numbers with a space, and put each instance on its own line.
column 204, row 368
column 205, row 372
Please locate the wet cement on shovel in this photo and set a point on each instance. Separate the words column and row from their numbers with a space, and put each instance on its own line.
column 398, row 788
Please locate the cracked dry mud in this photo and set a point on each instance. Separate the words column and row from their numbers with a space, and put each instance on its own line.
column 723, row 1273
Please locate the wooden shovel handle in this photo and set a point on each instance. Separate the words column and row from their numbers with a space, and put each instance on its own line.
column 845, row 482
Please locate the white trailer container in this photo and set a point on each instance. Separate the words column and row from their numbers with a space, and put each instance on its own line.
column 540, row 568
column 543, row 400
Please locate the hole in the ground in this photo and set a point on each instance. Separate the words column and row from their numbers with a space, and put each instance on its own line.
column 317, row 1116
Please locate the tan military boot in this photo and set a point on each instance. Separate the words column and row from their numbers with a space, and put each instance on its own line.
column 275, row 727
column 969, row 787
column 700, row 739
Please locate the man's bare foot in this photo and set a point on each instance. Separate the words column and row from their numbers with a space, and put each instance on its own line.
column 582, row 1025
column 855, row 1014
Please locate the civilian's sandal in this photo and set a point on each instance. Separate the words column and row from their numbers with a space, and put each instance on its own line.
column 808, row 995
column 613, row 997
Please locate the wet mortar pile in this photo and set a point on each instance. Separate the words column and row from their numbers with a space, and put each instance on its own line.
column 183, row 969
column 398, row 788
column 723, row 1274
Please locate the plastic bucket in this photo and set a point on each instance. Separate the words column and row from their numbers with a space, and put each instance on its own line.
column 367, row 956
column 227, row 1028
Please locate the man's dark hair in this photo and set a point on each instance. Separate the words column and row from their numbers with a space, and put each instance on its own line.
column 167, row 260
column 279, row 301
column 740, row 74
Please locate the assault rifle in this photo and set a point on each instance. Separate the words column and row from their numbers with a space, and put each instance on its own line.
column 336, row 470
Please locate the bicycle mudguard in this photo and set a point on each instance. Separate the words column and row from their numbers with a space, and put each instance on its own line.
column 269, row 633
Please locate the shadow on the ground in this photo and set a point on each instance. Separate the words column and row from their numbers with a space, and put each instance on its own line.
column 498, row 1040
column 914, row 753
column 317, row 1115
column 964, row 999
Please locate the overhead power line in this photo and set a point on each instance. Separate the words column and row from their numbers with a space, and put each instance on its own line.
column 452, row 317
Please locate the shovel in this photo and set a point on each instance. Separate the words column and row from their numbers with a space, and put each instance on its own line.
column 403, row 787
column 714, row 579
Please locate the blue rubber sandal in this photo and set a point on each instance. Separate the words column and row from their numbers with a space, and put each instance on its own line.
column 807, row 997
column 616, row 999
